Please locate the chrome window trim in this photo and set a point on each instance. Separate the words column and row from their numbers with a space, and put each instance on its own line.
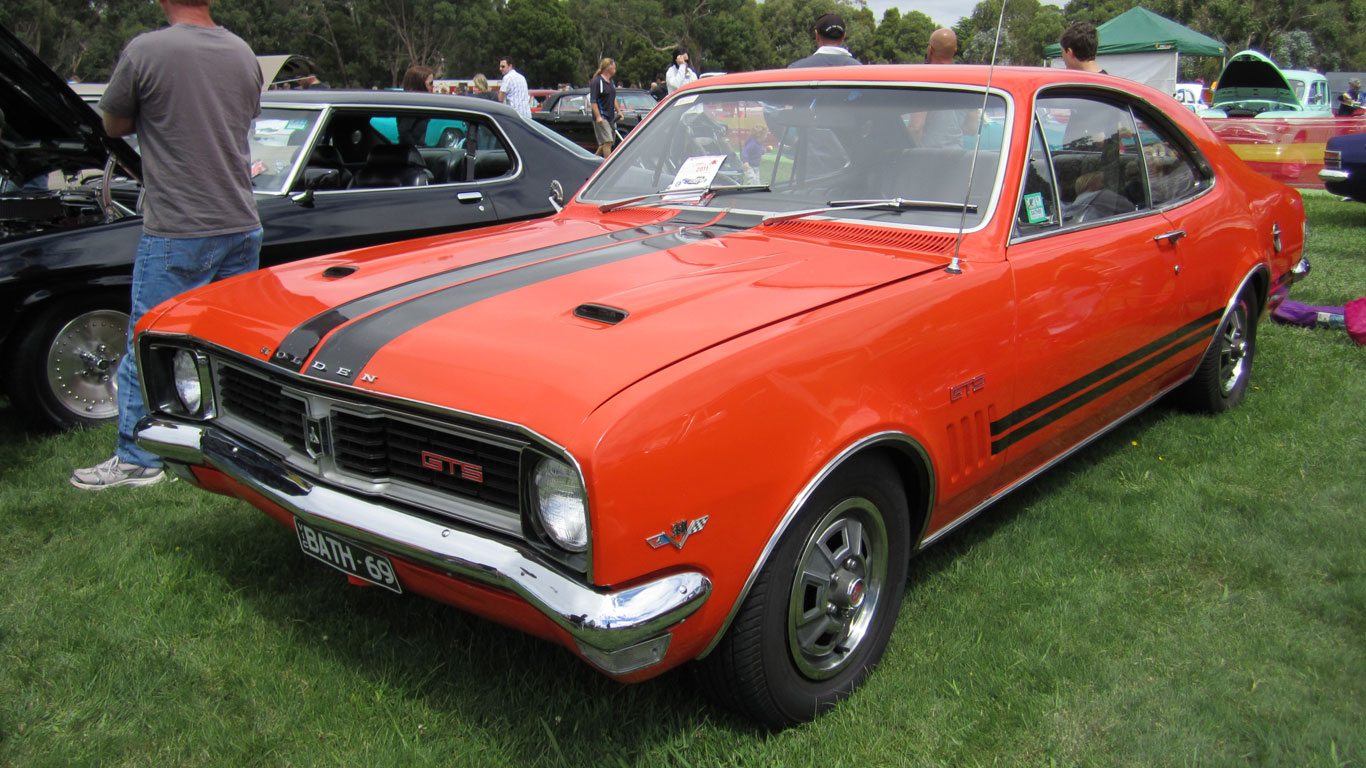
column 998, row 183
column 302, row 160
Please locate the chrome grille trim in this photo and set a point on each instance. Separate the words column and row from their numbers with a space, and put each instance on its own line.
column 373, row 449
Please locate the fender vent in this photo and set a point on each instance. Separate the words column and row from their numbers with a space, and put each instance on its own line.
column 339, row 271
column 600, row 313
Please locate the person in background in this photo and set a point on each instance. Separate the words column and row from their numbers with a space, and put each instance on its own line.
column 680, row 74
column 418, row 78
column 602, row 99
column 514, row 91
column 830, row 51
column 191, row 92
column 942, row 127
column 480, row 88
column 1079, row 44
column 659, row 88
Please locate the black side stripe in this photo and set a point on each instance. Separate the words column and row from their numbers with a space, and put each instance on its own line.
column 346, row 353
column 300, row 343
column 1197, row 338
column 1051, row 399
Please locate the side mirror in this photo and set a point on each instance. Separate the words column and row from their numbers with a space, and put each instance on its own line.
column 305, row 198
column 557, row 195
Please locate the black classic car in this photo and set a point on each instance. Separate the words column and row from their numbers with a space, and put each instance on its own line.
column 568, row 113
column 1344, row 166
column 332, row 170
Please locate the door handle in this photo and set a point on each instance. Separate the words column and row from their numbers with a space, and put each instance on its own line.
column 470, row 197
column 1171, row 237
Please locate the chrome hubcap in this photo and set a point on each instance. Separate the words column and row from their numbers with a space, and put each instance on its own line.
column 839, row 583
column 83, row 363
column 1233, row 347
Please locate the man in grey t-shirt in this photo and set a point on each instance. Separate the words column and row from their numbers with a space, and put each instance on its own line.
column 190, row 92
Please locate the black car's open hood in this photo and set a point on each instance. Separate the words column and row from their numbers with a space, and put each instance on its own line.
column 46, row 127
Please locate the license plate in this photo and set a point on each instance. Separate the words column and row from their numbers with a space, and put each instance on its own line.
column 347, row 557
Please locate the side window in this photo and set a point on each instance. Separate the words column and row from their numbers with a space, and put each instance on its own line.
column 361, row 149
column 1038, row 210
column 1173, row 174
column 571, row 104
column 1097, row 162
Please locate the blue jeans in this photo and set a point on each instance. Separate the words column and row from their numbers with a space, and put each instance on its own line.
column 168, row 267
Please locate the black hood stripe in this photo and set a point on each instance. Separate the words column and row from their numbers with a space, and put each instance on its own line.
column 1200, row 335
column 301, row 342
column 343, row 356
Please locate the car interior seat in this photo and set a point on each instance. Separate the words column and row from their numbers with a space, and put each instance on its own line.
column 392, row 165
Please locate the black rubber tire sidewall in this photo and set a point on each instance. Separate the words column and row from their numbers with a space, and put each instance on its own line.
column 30, row 395
column 1203, row 393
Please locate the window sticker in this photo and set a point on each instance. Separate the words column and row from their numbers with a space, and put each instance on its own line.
column 1034, row 208
column 695, row 175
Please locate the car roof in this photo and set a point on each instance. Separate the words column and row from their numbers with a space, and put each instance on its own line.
column 341, row 97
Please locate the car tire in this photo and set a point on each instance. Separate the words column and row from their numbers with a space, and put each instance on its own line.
column 63, row 373
column 1220, row 382
column 818, row 616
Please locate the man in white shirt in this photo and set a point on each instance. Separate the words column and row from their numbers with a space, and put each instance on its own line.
column 513, row 91
column 680, row 74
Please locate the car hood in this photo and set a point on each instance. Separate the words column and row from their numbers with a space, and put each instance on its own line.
column 541, row 322
column 1251, row 76
column 46, row 126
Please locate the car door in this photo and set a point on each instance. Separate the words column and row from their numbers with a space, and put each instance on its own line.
column 360, row 185
column 1096, row 283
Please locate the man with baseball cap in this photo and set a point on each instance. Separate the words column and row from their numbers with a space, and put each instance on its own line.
column 830, row 38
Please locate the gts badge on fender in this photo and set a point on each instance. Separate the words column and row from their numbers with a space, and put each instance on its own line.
column 975, row 384
column 679, row 533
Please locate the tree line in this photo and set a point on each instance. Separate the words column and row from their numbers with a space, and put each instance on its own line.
column 370, row 43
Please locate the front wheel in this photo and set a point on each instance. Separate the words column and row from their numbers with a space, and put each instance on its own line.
column 1221, row 380
column 65, row 366
column 822, row 609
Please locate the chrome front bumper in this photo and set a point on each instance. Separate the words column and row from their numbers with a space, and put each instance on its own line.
column 619, row 632
column 1329, row 174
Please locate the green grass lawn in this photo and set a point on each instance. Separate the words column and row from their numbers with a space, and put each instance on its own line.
column 1188, row 591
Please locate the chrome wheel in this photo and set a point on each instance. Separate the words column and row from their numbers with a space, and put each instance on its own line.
column 1233, row 347
column 83, row 362
column 838, row 588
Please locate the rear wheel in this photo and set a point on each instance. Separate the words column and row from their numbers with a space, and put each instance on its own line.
column 65, row 366
column 819, row 614
column 1221, row 380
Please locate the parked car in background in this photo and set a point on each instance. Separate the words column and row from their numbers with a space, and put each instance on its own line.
column 568, row 113
column 711, row 408
column 1191, row 96
column 1251, row 85
column 332, row 170
column 1344, row 166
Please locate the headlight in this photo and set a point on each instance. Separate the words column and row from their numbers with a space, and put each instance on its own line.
column 185, row 372
column 561, row 504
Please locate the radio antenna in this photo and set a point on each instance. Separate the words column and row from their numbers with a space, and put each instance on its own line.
column 954, row 268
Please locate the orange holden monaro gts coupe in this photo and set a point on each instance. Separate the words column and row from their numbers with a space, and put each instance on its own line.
column 800, row 326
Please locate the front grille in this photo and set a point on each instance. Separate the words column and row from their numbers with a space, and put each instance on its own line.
column 263, row 403
column 387, row 448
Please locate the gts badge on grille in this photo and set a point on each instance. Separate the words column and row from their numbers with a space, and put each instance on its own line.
column 448, row 466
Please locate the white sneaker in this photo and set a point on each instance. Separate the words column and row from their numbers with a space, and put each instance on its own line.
column 114, row 473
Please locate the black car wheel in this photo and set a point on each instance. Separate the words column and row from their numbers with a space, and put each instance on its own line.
column 64, row 369
column 819, row 614
column 1221, row 380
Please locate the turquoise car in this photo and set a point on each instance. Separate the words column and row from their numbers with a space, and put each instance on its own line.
column 1251, row 85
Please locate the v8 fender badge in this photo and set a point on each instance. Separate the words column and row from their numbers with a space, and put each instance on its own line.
column 678, row 533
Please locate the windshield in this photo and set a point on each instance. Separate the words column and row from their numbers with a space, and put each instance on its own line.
column 638, row 101
column 277, row 138
column 786, row 149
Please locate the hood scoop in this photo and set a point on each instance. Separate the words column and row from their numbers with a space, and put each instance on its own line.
column 601, row 313
column 341, row 270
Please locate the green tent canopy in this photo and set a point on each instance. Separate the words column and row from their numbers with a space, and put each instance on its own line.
column 1139, row 30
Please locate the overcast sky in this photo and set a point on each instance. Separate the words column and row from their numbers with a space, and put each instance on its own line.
column 944, row 12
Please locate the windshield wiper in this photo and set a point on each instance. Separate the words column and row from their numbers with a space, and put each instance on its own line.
column 613, row 205
column 892, row 203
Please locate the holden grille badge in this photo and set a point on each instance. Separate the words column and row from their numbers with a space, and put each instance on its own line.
column 679, row 533
column 313, row 437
